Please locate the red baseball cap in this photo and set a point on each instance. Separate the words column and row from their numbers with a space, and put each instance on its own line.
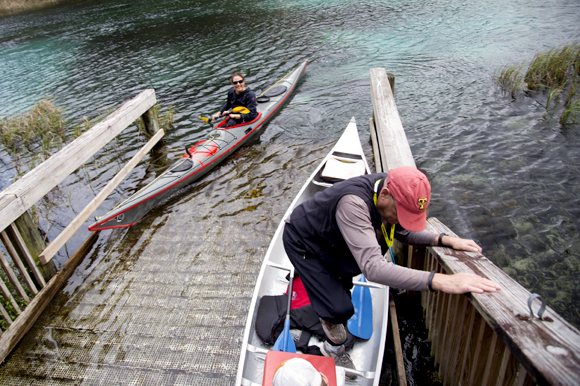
column 412, row 192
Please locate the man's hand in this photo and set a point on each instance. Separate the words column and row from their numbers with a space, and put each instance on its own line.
column 462, row 282
column 461, row 244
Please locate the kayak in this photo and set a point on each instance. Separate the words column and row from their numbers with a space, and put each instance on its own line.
column 201, row 157
column 345, row 160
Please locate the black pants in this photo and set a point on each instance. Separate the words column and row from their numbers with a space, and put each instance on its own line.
column 329, row 295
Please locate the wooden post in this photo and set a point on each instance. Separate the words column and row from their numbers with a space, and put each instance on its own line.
column 395, row 149
column 33, row 242
column 150, row 121
column 391, row 81
column 397, row 343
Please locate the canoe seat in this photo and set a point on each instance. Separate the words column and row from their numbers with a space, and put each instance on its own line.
column 323, row 364
column 340, row 167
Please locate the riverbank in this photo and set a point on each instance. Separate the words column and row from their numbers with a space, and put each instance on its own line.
column 12, row 7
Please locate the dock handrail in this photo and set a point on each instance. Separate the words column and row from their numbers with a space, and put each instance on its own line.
column 19, row 197
column 476, row 339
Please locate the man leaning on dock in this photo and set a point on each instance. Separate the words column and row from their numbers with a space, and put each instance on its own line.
column 332, row 237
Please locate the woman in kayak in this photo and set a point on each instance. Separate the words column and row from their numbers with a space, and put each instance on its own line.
column 238, row 95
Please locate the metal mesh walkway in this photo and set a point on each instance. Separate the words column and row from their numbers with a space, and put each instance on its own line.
column 165, row 302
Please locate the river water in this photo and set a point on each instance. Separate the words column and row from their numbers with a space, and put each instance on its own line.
column 501, row 173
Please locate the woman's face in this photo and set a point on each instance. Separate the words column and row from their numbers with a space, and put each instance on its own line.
column 238, row 84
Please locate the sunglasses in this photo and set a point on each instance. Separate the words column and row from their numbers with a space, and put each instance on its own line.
column 237, row 81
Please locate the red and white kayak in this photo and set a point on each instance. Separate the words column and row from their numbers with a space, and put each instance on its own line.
column 201, row 157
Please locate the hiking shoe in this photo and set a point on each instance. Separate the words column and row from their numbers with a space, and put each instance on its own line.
column 335, row 332
column 341, row 358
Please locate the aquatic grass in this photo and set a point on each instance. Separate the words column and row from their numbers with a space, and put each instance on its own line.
column 43, row 124
column 553, row 68
column 557, row 71
column 571, row 112
column 509, row 79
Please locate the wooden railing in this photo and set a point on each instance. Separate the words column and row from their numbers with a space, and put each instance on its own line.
column 477, row 339
column 35, row 281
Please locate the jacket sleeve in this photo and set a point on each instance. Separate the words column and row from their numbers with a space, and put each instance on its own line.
column 228, row 104
column 354, row 221
column 252, row 105
column 419, row 239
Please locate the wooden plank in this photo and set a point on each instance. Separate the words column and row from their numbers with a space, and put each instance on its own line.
column 549, row 351
column 13, row 279
column 5, row 314
column 376, row 148
column 34, row 242
column 476, row 364
column 524, row 378
column 27, row 256
column 453, row 317
column 460, row 331
column 467, row 349
column 432, row 305
column 441, row 322
column 505, row 358
column 18, row 262
column 9, row 296
column 397, row 343
column 26, row 319
column 395, row 150
column 450, row 314
column 78, row 221
column 489, row 362
column 25, row 192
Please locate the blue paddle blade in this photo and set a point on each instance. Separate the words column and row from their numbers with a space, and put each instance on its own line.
column 361, row 323
column 285, row 342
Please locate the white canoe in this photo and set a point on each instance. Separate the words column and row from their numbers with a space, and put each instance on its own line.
column 366, row 355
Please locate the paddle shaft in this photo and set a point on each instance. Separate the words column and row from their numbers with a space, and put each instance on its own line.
column 284, row 341
column 286, row 331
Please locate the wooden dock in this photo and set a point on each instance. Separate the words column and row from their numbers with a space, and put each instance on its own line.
column 165, row 304
column 477, row 339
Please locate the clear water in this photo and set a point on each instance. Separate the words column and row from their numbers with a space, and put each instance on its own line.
column 501, row 173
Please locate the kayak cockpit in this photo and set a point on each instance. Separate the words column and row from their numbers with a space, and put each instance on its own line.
column 223, row 127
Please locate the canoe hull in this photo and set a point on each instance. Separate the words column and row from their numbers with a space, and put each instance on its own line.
column 202, row 158
column 366, row 355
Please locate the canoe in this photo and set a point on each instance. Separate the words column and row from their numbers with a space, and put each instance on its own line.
column 202, row 157
column 346, row 159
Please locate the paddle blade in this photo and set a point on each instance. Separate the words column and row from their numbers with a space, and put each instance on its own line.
column 285, row 342
column 206, row 120
column 361, row 323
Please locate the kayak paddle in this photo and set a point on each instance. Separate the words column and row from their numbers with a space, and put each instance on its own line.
column 235, row 110
column 361, row 323
column 285, row 342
